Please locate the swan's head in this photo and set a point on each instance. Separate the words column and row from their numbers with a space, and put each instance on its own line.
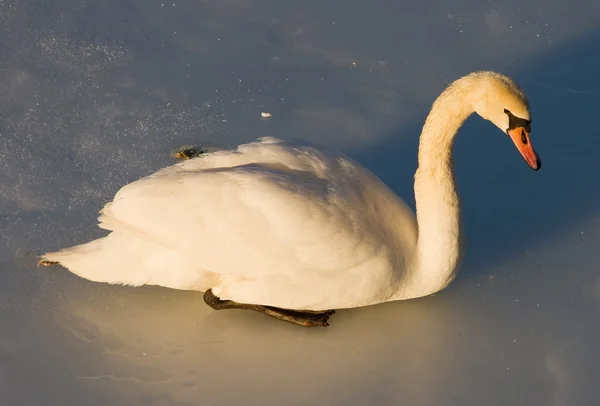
column 500, row 100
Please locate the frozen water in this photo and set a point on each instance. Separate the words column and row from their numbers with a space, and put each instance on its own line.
column 94, row 94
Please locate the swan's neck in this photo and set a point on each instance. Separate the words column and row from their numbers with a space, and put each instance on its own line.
column 439, row 246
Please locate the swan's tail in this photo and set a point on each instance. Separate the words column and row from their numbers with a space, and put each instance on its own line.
column 120, row 258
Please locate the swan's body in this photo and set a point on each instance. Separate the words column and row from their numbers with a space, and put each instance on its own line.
column 295, row 226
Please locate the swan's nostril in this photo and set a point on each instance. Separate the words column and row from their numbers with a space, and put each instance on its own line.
column 524, row 138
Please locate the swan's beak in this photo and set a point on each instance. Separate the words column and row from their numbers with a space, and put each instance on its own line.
column 521, row 139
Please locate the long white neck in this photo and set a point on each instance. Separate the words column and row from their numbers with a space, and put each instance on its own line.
column 439, row 246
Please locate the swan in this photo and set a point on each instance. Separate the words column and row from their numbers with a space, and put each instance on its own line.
column 294, row 230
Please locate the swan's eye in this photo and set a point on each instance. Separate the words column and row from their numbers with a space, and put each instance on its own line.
column 514, row 121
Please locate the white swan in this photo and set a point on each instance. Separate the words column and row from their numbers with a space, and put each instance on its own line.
column 277, row 226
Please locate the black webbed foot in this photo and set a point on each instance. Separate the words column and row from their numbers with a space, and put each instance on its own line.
column 305, row 318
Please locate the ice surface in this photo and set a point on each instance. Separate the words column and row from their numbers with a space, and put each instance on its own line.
column 94, row 94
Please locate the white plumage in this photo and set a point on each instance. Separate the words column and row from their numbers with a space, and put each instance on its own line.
column 306, row 225
column 292, row 225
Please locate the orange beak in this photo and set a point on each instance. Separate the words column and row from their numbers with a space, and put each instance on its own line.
column 521, row 139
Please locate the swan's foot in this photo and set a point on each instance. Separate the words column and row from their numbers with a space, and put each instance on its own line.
column 191, row 151
column 305, row 318
column 187, row 152
column 45, row 262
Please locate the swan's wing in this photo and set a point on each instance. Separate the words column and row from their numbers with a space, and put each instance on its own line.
column 261, row 210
